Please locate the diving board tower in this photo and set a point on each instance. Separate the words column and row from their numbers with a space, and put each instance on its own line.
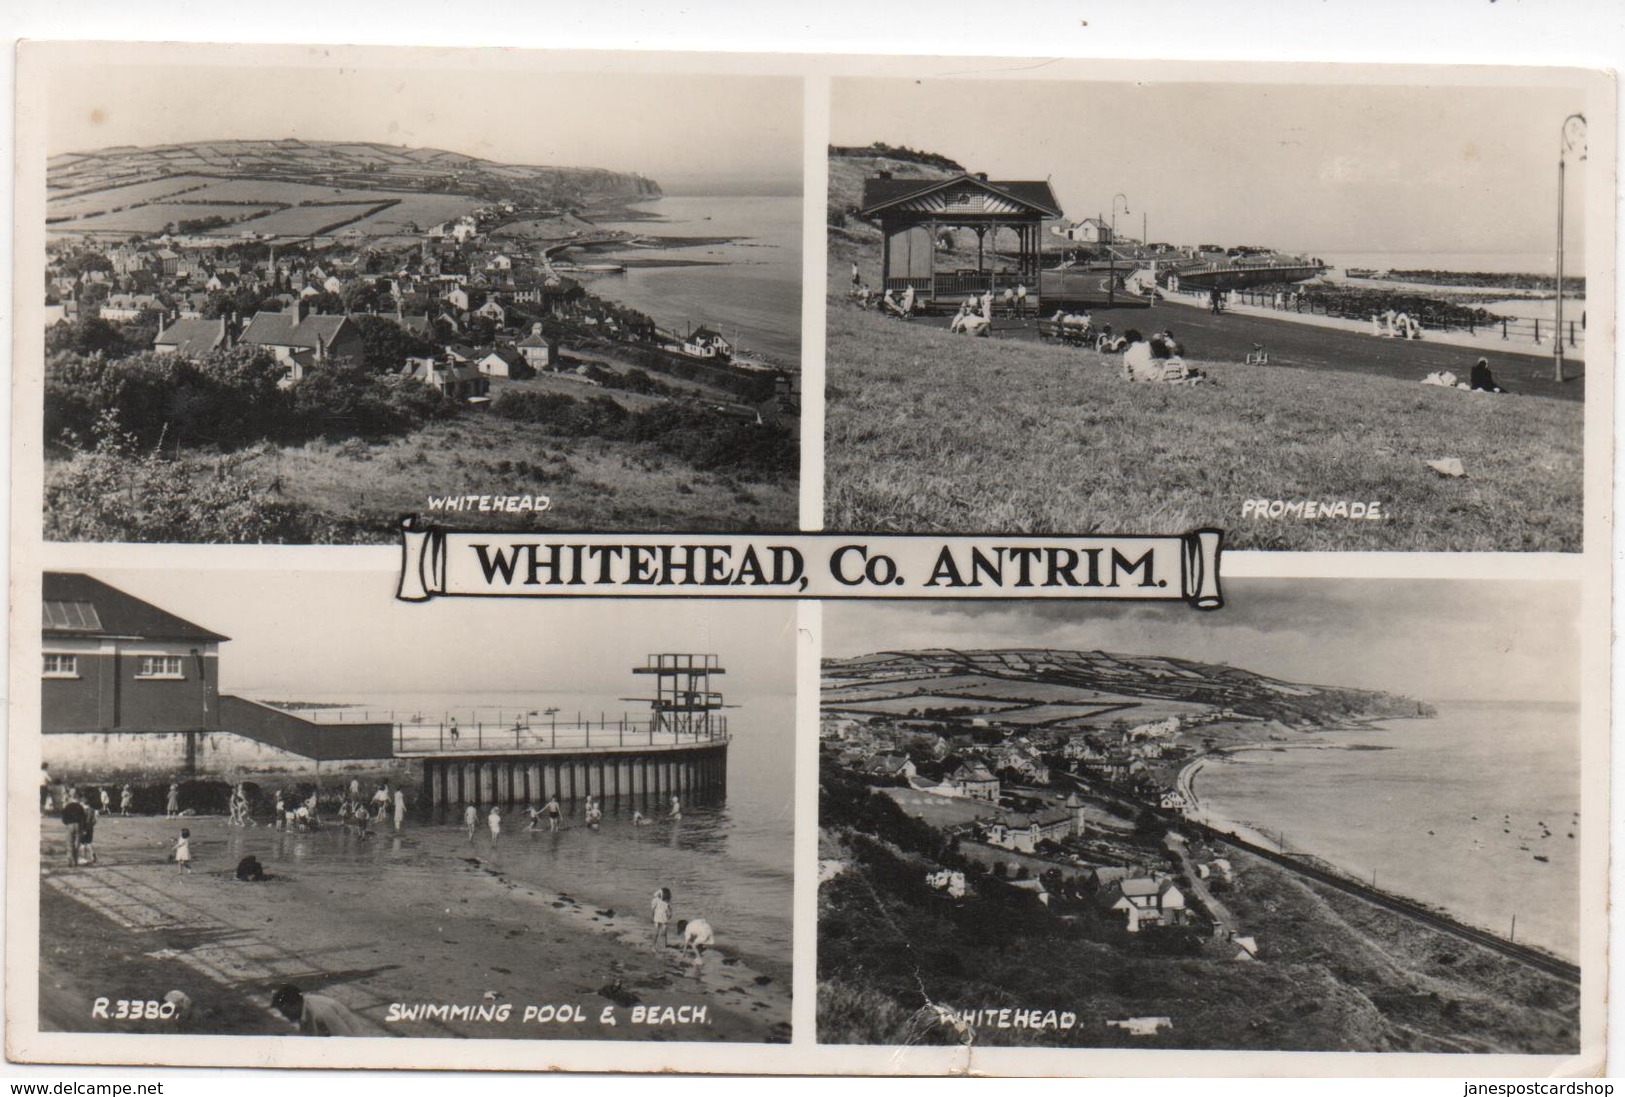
column 914, row 215
column 684, row 704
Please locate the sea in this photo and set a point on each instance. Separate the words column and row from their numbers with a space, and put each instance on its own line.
column 749, row 289
column 1488, row 262
column 1453, row 815
column 730, row 862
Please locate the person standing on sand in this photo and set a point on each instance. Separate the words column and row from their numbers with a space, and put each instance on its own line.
column 183, row 850
column 400, row 808
column 471, row 819
column 107, row 801
column 172, row 806
column 87, row 838
column 126, row 800
column 857, row 279
column 73, row 821
column 494, row 821
column 660, row 907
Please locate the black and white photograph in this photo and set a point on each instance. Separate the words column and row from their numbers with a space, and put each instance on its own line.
column 1318, row 315
column 280, row 804
column 509, row 296
column 1337, row 815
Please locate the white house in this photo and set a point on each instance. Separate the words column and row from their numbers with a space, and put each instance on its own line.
column 502, row 362
column 1145, row 901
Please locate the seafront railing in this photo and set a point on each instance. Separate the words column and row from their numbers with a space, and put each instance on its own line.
column 452, row 737
column 1523, row 331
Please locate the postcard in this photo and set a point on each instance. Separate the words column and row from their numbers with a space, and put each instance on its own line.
column 783, row 564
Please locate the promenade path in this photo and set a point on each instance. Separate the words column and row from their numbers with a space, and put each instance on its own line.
column 1306, row 342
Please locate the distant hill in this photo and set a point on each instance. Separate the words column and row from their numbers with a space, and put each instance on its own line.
column 348, row 164
column 1105, row 678
column 849, row 167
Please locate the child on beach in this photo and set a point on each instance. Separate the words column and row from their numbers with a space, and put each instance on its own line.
column 183, row 850
column 641, row 820
column 87, row 835
column 126, row 800
column 172, row 807
column 107, row 801
column 697, row 937
column 553, row 813
column 660, row 907
column 676, row 808
column 494, row 821
column 317, row 1014
column 400, row 808
column 471, row 819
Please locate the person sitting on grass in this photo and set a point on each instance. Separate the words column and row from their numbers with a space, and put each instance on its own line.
column 1141, row 362
column 1482, row 380
column 316, row 1014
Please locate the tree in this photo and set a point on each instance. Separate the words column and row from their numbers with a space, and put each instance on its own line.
column 86, row 336
column 385, row 345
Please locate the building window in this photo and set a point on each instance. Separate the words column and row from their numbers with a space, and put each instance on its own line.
column 61, row 666
column 160, row 666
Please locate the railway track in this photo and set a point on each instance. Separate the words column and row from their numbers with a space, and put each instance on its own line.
column 1534, row 958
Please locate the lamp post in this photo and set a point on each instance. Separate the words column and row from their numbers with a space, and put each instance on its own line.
column 1111, row 251
column 1574, row 140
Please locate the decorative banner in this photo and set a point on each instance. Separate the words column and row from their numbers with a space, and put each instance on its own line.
column 1130, row 567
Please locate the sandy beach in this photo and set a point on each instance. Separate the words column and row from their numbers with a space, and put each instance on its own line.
column 386, row 926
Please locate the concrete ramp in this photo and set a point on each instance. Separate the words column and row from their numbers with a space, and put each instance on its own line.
column 296, row 735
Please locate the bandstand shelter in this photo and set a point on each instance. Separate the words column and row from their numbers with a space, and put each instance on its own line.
column 914, row 213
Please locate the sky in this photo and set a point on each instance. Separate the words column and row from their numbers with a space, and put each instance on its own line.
column 680, row 130
column 1435, row 640
column 332, row 631
column 1320, row 169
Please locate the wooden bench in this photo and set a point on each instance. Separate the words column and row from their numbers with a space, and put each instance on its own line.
column 1071, row 335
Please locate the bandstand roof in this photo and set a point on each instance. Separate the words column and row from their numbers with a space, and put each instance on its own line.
column 965, row 196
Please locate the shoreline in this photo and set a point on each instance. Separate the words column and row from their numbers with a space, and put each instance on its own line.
column 461, row 929
column 1258, row 835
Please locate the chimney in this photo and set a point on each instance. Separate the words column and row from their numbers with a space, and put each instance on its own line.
column 982, row 175
column 882, row 175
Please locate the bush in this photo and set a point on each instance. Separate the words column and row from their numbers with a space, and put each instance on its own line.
column 121, row 492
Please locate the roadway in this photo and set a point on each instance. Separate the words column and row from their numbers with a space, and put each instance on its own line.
column 1229, row 336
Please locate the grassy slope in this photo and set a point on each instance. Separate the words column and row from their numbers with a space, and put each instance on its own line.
column 364, row 490
column 928, row 431
column 1337, row 975
column 931, row 432
column 593, row 484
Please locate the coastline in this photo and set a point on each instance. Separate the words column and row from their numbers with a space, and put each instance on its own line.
column 465, row 931
column 1408, row 879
